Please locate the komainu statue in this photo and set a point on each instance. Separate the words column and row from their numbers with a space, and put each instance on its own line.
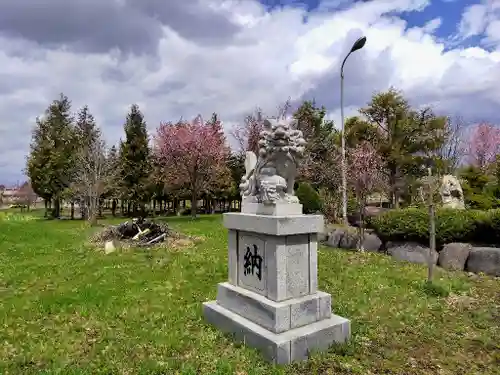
column 451, row 192
column 270, row 178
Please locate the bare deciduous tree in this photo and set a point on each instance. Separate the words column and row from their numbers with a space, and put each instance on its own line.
column 91, row 174
column 453, row 149
column 246, row 135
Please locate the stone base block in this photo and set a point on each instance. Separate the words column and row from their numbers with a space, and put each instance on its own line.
column 280, row 348
column 278, row 209
column 275, row 316
column 274, row 225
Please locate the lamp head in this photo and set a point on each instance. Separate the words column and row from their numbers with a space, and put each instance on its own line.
column 358, row 44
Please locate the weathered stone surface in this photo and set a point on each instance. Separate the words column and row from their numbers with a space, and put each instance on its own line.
column 453, row 256
column 270, row 177
column 349, row 240
column 280, row 348
column 334, row 238
column 323, row 236
column 274, row 225
column 274, row 316
column 451, row 193
column 484, row 259
column 372, row 243
column 277, row 209
column 411, row 252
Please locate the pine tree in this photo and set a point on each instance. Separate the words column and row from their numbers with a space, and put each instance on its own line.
column 87, row 132
column 37, row 163
column 406, row 138
column 52, row 147
column 321, row 165
column 134, row 160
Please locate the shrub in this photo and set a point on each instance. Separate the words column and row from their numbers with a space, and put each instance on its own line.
column 489, row 227
column 480, row 201
column 309, row 198
column 412, row 224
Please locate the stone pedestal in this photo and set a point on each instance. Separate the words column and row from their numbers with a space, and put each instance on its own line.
column 271, row 301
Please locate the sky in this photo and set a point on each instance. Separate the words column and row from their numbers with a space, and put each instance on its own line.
column 182, row 58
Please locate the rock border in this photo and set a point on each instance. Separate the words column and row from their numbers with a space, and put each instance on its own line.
column 453, row 256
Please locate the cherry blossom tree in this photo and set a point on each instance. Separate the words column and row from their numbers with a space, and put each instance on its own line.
column 484, row 145
column 365, row 175
column 192, row 154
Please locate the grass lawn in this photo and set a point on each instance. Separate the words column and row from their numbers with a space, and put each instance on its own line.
column 66, row 309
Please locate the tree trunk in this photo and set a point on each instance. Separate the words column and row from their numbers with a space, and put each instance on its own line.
column 46, row 204
column 362, row 224
column 113, row 207
column 56, row 210
column 177, row 207
column 432, row 230
column 72, row 210
column 194, row 203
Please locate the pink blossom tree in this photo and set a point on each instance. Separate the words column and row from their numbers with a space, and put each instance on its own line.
column 484, row 145
column 192, row 154
column 365, row 176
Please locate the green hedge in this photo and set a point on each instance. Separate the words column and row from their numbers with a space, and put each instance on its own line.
column 412, row 224
column 309, row 198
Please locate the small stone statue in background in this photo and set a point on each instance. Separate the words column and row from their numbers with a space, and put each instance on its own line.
column 451, row 193
column 270, row 178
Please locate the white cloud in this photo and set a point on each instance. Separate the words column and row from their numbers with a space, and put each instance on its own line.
column 481, row 19
column 267, row 58
column 474, row 20
column 434, row 24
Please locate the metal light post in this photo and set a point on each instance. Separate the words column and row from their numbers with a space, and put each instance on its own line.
column 358, row 44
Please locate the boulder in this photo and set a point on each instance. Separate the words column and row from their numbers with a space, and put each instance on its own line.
column 484, row 259
column 349, row 240
column 334, row 238
column 410, row 252
column 372, row 243
column 322, row 236
column 453, row 256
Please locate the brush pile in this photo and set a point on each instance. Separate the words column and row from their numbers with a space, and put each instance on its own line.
column 138, row 232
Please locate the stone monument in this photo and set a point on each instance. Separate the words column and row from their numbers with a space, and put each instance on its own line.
column 271, row 301
column 451, row 193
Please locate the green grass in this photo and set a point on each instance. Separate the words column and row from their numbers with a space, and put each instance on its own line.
column 67, row 309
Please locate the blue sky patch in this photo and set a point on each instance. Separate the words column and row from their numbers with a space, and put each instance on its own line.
column 450, row 11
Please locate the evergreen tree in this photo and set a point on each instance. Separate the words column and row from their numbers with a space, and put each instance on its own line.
column 50, row 160
column 406, row 138
column 38, row 161
column 87, row 132
column 134, row 160
column 321, row 165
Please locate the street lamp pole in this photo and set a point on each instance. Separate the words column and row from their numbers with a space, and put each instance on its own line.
column 358, row 44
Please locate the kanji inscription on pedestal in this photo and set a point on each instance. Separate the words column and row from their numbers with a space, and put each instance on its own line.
column 251, row 263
